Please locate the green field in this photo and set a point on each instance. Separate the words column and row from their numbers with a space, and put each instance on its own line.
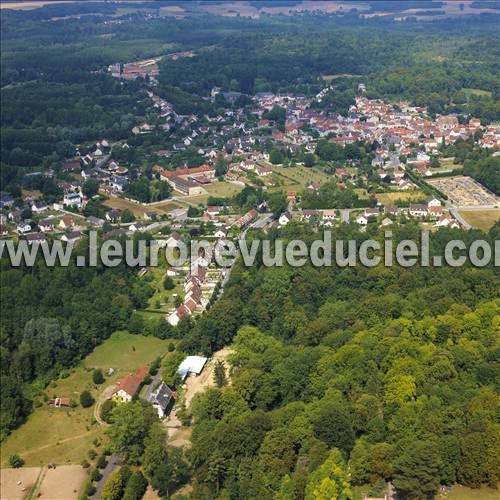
column 217, row 190
column 478, row 92
column 390, row 198
column 162, row 300
column 463, row 493
column 125, row 352
column 296, row 178
column 481, row 219
column 458, row 492
column 64, row 435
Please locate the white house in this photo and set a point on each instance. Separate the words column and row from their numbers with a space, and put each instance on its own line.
column 161, row 399
column 284, row 219
column 362, row 220
column 23, row 228
column 418, row 210
column 39, row 206
column 73, row 199
column 329, row 214
column 46, row 225
column 433, row 202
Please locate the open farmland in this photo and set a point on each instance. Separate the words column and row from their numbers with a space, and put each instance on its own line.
column 217, row 190
column 138, row 209
column 481, row 219
column 404, row 196
column 464, row 192
column 64, row 435
column 16, row 484
column 63, row 482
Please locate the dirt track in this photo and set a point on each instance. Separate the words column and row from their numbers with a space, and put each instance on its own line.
column 194, row 385
column 178, row 435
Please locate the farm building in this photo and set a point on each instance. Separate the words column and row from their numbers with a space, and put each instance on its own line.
column 192, row 365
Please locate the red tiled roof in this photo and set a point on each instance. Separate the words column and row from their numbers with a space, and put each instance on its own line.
column 131, row 382
column 186, row 171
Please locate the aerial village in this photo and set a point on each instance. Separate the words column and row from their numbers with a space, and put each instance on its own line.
column 213, row 177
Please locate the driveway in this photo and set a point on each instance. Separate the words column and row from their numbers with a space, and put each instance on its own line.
column 113, row 462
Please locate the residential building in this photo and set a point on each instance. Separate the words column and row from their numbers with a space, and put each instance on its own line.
column 126, row 389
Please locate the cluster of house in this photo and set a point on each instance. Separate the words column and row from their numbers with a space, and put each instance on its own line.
column 491, row 137
column 201, row 279
column 431, row 210
column 82, row 163
column 160, row 395
column 21, row 220
column 246, row 219
column 399, row 129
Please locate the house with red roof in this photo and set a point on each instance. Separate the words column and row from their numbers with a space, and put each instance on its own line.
column 128, row 386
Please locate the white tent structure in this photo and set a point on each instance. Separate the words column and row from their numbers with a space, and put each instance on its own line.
column 192, row 365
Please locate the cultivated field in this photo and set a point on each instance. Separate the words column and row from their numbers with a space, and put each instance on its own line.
column 63, row 482
column 64, row 435
column 138, row 209
column 9, row 478
column 464, row 191
column 29, row 5
column 481, row 219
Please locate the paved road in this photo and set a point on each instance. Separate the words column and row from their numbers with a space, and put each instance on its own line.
column 344, row 215
column 260, row 223
column 456, row 214
column 113, row 462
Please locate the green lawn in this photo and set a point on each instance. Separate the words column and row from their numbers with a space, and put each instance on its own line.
column 457, row 493
column 469, row 91
column 389, row 198
column 296, row 178
column 463, row 493
column 217, row 190
column 125, row 352
column 64, row 435
column 161, row 296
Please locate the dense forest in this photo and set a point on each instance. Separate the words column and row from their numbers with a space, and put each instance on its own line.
column 350, row 376
column 339, row 377
column 56, row 91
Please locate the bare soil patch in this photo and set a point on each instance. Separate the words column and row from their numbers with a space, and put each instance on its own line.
column 9, row 478
column 62, row 482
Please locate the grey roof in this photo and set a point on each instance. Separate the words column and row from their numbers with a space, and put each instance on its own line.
column 161, row 396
